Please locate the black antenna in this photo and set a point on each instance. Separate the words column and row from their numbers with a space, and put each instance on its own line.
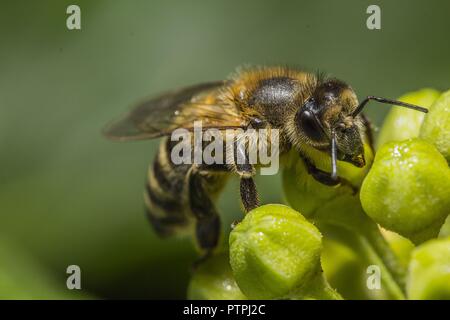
column 333, row 156
column 388, row 101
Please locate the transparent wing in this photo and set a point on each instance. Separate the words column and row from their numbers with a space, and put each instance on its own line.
column 177, row 109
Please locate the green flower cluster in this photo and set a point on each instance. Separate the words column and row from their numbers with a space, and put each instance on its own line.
column 390, row 240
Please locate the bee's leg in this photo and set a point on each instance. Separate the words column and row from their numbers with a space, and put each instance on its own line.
column 208, row 227
column 205, row 256
column 368, row 129
column 325, row 177
column 246, row 171
column 322, row 176
column 249, row 194
column 215, row 167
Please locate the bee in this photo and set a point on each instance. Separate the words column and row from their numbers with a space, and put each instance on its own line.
column 310, row 112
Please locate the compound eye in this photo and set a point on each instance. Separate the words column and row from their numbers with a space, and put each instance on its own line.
column 309, row 124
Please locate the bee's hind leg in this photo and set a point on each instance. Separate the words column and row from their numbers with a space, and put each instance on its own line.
column 207, row 226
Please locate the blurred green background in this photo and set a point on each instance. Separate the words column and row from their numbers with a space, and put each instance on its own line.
column 68, row 196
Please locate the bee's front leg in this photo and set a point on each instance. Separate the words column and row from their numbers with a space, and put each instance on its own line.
column 326, row 178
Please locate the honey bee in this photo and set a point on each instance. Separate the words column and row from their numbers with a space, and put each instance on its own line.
column 309, row 111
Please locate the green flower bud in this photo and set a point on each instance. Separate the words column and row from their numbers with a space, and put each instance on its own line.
column 340, row 207
column 436, row 126
column 408, row 189
column 445, row 230
column 401, row 123
column 429, row 276
column 275, row 253
column 213, row 280
column 344, row 269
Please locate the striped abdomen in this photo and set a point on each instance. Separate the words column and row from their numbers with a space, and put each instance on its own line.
column 170, row 196
column 166, row 195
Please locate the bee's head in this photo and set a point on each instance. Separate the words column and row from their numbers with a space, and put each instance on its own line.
column 327, row 115
column 330, row 120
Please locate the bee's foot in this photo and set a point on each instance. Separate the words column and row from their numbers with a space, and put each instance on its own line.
column 200, row 260
column 234, row 224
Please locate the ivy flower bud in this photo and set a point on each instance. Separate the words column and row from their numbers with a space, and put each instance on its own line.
column 429, row 271
column 274, row 252
column 436, row 126
column 407, row 189
column 213, row 280
column 401, row 123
